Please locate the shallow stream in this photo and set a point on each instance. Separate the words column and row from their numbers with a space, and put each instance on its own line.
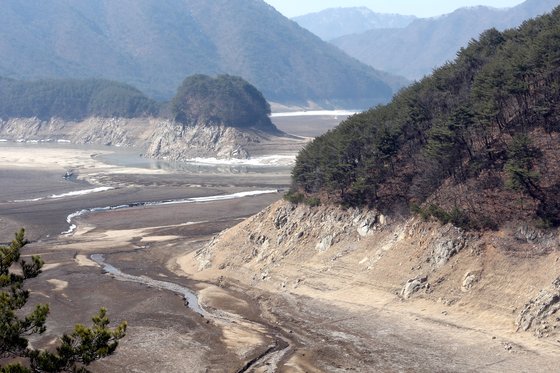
column 191, row 300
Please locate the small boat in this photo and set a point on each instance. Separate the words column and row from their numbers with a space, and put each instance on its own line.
column 68, row 174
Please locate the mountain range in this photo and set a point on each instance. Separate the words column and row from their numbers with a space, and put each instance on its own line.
column 336, row 22
column 417, row 49
column 154, row 45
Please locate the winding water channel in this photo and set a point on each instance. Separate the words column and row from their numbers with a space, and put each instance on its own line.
column 271, row 356
column 191, row 300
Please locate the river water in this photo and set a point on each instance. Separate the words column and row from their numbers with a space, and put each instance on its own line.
column 191, row 300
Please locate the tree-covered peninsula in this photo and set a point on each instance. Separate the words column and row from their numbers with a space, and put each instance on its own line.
column 223, row 100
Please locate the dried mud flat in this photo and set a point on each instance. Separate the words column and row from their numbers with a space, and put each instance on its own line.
column 164, row 335
column 245, row 329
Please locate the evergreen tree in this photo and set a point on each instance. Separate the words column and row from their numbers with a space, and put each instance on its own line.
column 467, row 125
column 74, row 351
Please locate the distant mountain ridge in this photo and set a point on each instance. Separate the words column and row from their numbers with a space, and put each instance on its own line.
column 336, row 22
column 414, row 51
column 153, row 45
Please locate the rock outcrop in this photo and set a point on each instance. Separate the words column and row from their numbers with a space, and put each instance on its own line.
column 450, row 241
column 297, row 227
column 541, row 314
column 154, row 137
column 360, row 255
column 413, row 285
column 101, row 131
column 175, row 142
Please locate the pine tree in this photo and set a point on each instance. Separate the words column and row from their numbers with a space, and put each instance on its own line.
column 75, row 350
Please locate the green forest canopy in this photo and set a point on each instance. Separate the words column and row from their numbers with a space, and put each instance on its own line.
column 226, row 99
column 72, row 99
column 478, row 131
column 201, row 99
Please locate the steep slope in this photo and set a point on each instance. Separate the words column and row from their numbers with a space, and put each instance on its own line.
column 336, row 22
column 431, row 42
column 154, row 45
column 494, row 282
column 476, row 143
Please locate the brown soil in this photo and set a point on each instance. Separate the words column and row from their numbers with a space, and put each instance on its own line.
column 343, row 307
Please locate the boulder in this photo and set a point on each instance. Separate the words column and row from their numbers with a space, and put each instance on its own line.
column 469, row 280
column 367, row 223
column 449, row 243
column 413, row 285
column 538, row 312
column 325, row 243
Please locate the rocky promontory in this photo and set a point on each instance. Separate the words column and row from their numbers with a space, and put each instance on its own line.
column 223, row 117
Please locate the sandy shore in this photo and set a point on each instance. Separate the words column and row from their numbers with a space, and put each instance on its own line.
column 81, row 160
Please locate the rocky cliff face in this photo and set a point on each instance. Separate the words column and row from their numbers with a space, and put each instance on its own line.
column 176, row 142
column 509, row 277
column 102, row 131
column 156, row 138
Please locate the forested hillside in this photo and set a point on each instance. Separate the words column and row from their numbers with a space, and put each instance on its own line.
column 200, row 100
column 224, row 100
column 72, row 99
column 475, row 144
column 153, row 45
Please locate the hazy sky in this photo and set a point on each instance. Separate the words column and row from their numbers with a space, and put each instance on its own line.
column 420, row 8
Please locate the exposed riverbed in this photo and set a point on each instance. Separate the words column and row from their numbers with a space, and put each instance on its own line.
column 129, row 217
column 191, row 300
column 134, row 219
